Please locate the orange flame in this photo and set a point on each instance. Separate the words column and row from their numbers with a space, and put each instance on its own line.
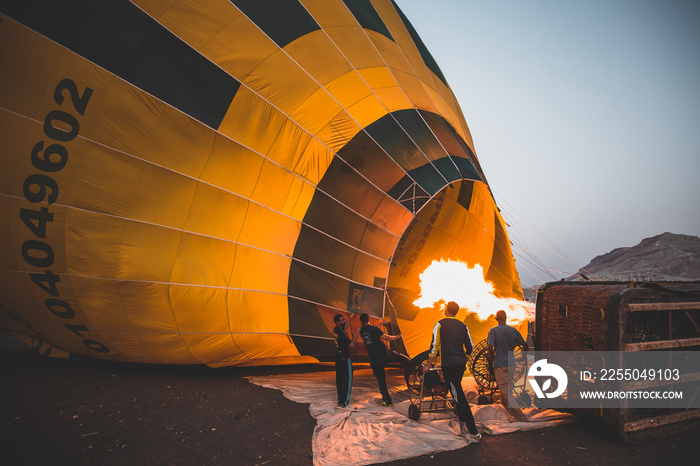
column 447, row 280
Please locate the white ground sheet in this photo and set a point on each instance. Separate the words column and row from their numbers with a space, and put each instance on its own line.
column 366, row 433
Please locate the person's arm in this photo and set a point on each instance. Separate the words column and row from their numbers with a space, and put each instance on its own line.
column 489, row 347
column 386, row 337
column 349, row 329
column 354, row 339
column 428, row 364
column 434, row 345
column 522, row 343
column 490, row 353
column 468, row 345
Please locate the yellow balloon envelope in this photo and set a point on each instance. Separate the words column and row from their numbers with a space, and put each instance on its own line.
column 211, row 182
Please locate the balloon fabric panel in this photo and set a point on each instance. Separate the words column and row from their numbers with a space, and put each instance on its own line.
column 124, row 40
column 210, row 183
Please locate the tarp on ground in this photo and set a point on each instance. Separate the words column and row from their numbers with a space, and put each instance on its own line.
column 367, row 433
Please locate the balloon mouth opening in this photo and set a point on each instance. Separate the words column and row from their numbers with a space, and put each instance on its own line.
column 440, row 260
column 448, row 280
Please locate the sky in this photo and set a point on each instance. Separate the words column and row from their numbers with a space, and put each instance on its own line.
column 585, row 117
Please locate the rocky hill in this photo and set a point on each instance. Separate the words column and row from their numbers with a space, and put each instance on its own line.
column 664, row 257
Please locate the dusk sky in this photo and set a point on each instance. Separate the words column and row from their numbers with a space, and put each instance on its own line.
column 585, row 116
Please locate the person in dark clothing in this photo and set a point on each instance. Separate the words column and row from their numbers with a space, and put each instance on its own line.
column 343, row 363
column 450, row 346
column 379, row 355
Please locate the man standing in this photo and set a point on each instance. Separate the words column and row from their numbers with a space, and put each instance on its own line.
column 502, row 339
column 343, row 363
column 451, row 345
column 374, row 338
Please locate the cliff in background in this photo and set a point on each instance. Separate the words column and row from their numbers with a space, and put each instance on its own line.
column 664, row 257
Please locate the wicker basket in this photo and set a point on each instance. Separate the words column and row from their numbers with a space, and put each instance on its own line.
column 623, row 316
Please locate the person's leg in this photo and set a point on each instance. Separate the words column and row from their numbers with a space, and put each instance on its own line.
column 378, row 370
column 453, row 378
column 349, row 385
column 503, row 386
column 341, row 384
column 501, row 374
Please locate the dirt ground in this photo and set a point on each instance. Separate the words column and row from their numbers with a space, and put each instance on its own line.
column 81, row 411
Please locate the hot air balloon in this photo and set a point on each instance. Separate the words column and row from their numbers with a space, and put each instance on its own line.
column 211, row 182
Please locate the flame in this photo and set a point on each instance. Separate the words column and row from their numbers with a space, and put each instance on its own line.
column 447, row 280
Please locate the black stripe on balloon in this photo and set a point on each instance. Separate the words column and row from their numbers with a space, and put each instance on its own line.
column 284, row 21
column 367, row 16
column 422, row 49
column 466, row 190
column 121, row 38
column 392, row 132
column 422, row 183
